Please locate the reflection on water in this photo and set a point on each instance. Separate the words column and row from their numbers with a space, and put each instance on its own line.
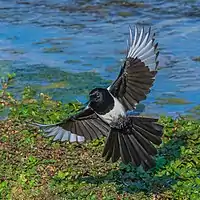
column 47, row 42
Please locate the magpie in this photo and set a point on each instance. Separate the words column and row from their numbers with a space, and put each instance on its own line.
column 129, row 137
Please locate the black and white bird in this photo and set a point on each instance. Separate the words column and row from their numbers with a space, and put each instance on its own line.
column 128, row 136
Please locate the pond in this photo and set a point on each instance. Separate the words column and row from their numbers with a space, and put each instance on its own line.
column 65, row 48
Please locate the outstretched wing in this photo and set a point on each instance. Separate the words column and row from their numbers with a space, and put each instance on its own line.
column 138, row 73
column 85, row 125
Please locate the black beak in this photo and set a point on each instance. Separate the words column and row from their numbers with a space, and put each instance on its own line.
column 92, row 96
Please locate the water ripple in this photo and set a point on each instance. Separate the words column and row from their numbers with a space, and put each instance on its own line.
column 69, row 36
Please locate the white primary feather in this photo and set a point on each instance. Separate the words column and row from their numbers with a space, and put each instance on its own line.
column 143, row 47
column 144, row 51
column 59, row 133
column 135, row 36
column 130, row 37
column 138, row 43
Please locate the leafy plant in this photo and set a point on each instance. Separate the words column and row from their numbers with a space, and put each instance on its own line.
column 34, row 167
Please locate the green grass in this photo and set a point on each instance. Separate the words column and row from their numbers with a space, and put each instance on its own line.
column 34, row 167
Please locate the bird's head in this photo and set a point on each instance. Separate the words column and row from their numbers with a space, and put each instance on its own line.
column 100, row 99
column 97, row 95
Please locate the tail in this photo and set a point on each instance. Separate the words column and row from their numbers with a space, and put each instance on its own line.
column 134, row 142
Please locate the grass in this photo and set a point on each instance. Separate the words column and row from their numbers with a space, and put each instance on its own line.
column 34, row 167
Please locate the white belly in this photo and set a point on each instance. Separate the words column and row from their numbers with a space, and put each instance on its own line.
column 117, row 111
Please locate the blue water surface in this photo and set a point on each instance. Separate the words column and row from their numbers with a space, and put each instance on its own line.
column 49, row 41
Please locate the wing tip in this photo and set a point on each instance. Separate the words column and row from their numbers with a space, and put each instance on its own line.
column 57, row 133
column 140, row 45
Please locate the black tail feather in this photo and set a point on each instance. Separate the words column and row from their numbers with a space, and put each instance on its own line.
column 108, row 149
column 134, row 144
column 146, row 144
column 125, row 155
column 131, row 146
column 144, row 156
column 147, row 134
column 116, row 150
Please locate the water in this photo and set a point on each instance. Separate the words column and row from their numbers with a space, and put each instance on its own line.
column 65, row 48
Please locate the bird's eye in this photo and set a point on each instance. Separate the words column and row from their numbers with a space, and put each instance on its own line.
column 97, row 97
